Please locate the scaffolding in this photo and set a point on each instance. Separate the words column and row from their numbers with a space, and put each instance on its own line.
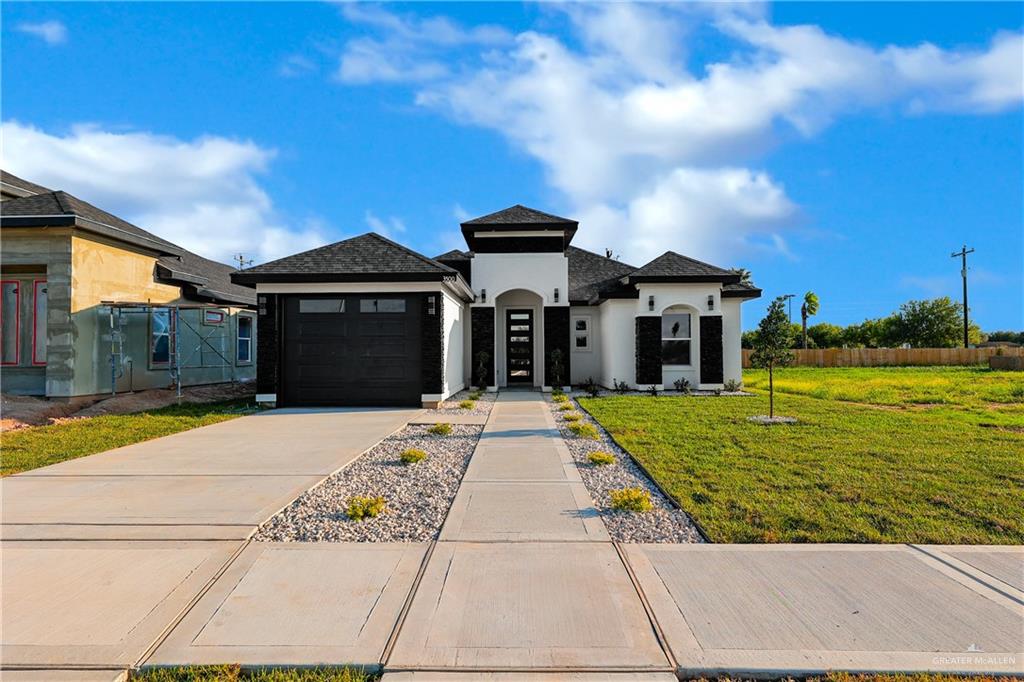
column 118, row 309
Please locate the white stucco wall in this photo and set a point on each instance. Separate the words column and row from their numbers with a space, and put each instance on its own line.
column 453, row 326
column 618, row 332
column 540, row 273
column 732, row 332
column 585, row 364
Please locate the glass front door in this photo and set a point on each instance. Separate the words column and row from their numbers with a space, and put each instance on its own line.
column 519, row 346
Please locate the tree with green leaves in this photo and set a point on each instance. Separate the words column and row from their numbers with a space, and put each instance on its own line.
column 935, row 323
column 745, row 276
column 809, row 308
column 772, row 345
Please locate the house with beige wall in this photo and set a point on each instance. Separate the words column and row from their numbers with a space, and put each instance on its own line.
column 91, row 304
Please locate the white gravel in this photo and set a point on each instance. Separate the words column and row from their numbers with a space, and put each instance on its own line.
column 418, row 495
column 451, row 406
column 664, row 523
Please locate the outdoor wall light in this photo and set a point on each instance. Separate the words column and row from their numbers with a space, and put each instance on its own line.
column 483, row 295
column 556, row 294
column 711, row 302
column 650, row 302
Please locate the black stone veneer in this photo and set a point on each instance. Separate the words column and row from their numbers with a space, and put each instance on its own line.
column 648, row 351
column 432, row 343
column 482, row 339
column 711, row 350
column 556, row 337
column 268, row 345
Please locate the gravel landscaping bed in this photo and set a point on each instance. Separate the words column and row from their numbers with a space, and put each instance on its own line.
column 483, row 405
column 417, row 495
column 663, row 523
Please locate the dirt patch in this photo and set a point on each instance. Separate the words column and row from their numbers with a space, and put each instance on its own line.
column 20, row 411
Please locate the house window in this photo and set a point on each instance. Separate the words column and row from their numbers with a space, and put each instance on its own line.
column 10, row 333
column 382, row 305
column 244, row 339
column 214, row 317
column 581, row 333
column 39, row 322
column 321, row 305
column 675, row 339
column 160, row 336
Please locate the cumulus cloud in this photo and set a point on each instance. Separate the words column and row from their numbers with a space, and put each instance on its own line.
column 204, row 194
column 51, row 32
column 655, row 154
column 392, row 227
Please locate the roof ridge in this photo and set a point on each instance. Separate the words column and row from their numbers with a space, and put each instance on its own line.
column 417, row 254
column 602, row 256
column 60, row 204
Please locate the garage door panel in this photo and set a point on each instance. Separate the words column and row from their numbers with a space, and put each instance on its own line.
column 352, row 357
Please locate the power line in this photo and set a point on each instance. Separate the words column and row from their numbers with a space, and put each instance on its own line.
column 962, row 253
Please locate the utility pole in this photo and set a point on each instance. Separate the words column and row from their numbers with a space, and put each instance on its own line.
column 241, row 260
column 962, row 253
column 789, row 297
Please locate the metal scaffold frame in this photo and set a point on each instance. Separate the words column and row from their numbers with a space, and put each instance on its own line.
column 174, row 365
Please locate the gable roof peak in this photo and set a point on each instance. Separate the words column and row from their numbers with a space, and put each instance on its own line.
column 518, row 214
column 671, row 266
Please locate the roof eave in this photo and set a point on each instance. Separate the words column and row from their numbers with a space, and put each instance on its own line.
column 92, row 226
column 252, row 278
column 749, row 293
column 684, row 279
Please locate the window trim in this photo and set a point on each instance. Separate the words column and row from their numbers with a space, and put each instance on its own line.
column 17, row 321
column 35, row 323
column 688, row 313
column 586, row 333
column 219, row 311
column 252, row 336
column 170, row 335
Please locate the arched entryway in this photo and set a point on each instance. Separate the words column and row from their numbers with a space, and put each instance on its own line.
column 519, row 338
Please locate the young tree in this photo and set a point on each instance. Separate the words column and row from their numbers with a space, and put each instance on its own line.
column 771, row 346
column 808, row 309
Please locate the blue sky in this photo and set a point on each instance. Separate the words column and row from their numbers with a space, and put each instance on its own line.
column 842, row 148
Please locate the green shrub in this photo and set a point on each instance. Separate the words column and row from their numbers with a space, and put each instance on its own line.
column 733, row 386
column 583, row 430
column 467, row 404
column 601, row 458
column 560, row 398
column 234, row 673
column 362, row 507
column 631, row 499
column 475, row 395
column 620, row 387
column 591, row 387
column 682, row 385
column 557, row 391
column 412, row 455
column 442, row 429
column 572, row 416
column 564, row 407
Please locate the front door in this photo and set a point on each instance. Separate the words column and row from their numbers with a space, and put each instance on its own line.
column 519, row 346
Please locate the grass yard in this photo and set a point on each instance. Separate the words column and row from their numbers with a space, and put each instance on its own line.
column 38, row 446
column 848, row 472
column 234, row 673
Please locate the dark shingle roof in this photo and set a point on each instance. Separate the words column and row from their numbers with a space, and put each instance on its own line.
column 740, row 290
column 590, row 274
column 671, row 266
column 25, row 186
column 367, row 258
column 54, row 209
column 519, row 215
column 207, row 278
column 454, row 255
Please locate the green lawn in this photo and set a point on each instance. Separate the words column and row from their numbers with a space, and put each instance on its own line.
column 847, row 472
column 37, row 446
column 234, row 673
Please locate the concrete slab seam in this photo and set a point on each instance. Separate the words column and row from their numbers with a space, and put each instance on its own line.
column 648, row 609
column 959, row 570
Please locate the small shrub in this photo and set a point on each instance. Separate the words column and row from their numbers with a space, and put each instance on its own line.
column 564, row 407
column 653, row 391
column 601, row 458
column 733, row 386
column 362, row 507
column 475, row 395
column 557, row 391
column 620, row 386
column 572, row 416
column 483, row 368
column 682, row 385
column 583, row 430
column 467, row 404
column 631, row 499
column 442, row 429
column 412, row 455
column 591, row 387
column 560, row 398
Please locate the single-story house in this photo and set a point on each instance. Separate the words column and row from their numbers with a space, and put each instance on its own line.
column 93, row 304
column 367, row 321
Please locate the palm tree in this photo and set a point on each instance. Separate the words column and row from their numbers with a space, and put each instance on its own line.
column 745, row 277
column 810, row 307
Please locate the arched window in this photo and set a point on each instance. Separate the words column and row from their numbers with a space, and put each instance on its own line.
column 675, row 337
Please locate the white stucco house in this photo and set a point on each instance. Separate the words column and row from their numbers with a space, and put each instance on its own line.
column 367, row 321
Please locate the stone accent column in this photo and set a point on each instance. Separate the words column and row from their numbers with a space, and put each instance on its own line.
column 432, row 343
column 648, row 351
column 61, row 330
column 482, row 335
column 711, row 350
column 556, row 337
column 268, row 344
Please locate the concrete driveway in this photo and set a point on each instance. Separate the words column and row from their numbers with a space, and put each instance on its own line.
column 100, row 555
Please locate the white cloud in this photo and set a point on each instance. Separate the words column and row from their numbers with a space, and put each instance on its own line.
column 51, row 32
column 391, row 227
column 653, row 154
column 204, row 194
column 296, row 65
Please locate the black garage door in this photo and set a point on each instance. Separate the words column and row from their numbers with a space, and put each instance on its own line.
column 352, row 350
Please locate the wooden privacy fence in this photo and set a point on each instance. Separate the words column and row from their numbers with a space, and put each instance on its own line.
column 877, row 357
